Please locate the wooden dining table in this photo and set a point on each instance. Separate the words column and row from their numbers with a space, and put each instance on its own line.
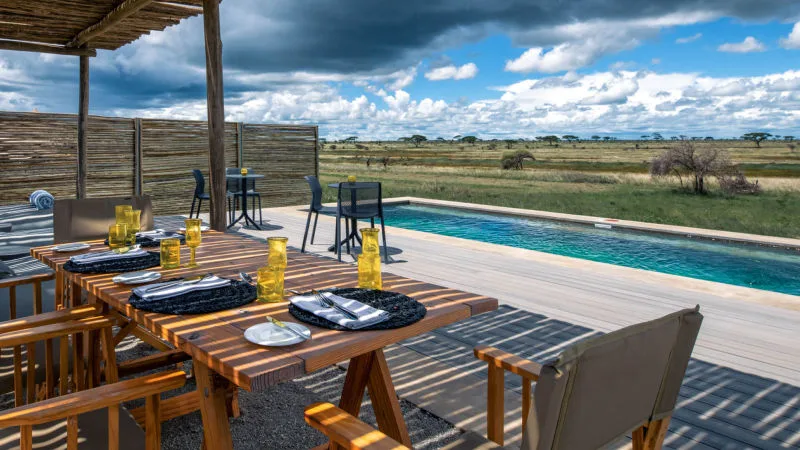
column 223, row 359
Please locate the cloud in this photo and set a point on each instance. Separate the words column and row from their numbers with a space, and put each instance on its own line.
column 792, row 41
column 688, row 39
column 655, row 61
column 468, row 70
column 748, row 45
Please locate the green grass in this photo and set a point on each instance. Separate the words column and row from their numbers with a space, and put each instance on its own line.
column 774, row 212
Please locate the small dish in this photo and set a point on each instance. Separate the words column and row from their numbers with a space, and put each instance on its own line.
column 136, row 277
column 271, row 335
column 73, row 247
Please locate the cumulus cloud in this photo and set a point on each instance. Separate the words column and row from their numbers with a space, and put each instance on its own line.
column 748, row 45
column 688, row 39
column 468, row 70
column 793, row 40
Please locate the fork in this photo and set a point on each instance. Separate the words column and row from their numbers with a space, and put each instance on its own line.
column 328, row 303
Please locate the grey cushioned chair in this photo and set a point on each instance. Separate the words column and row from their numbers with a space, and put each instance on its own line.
column 314, row 208
column 89, row 218
column 595, row 393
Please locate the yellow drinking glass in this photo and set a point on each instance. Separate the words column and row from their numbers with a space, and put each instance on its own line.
column 277, row 252
column 170, row 253
column 243, row 171
column 117, row 235
column 270, row 284
column 351, row 178
column 369, row 241
column 121, row 211
column 193, row 238
column 133, row 219
column 369, row 272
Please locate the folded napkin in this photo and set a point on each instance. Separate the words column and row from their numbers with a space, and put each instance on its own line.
column 88, row 258
column 210, row 282
column 367, row 315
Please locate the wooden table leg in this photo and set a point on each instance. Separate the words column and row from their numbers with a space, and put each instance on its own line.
column 59, row 293
column 213, row 407
column 371, row 371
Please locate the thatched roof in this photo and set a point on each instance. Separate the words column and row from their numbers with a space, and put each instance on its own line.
column 67, row 26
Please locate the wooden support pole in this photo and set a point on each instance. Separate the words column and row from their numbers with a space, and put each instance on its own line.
column 83, row 116
column 216, row 113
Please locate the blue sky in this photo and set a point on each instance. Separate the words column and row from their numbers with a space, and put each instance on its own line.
column 506, row 68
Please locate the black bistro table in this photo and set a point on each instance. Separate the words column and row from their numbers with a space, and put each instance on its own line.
column 243, row 183
column 353, row 235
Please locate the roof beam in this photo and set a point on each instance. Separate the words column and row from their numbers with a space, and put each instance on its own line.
column 117, row 15
column 6, row 44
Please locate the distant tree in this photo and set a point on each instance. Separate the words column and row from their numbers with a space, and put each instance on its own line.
column 696, row 138
column 514, row 160
column 756, row 137
column 777, row 137
column 595, row 138
column 350, row 140
column 606, row 138
column 456, row 138
column 550, row 139
column 657, row 137
column 788, row 138
column 645, row 137
column 686, row 159
column 404, row 139
column 469, row 139
column 673, row 138
column 709, row 138
column 440, row 139
column 418, row 139
column 510, row 143
column 683, row 137
column 570, row 138
column 791, row 146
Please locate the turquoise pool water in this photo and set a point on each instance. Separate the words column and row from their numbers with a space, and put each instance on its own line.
column 739, row 264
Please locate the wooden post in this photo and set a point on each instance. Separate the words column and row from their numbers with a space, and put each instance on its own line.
column 216, row 113
column 83, row 115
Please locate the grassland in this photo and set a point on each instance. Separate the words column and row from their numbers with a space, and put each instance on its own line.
column 600, row 179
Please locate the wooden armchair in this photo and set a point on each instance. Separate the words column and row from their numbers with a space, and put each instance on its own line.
column 595, row 393
column 77, row 411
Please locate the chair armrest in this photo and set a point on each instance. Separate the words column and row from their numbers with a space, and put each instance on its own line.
column 346, row 430
column 19, row 280
column 92, row 399
column 63, row 315
column 54, row 330
column 512, row 363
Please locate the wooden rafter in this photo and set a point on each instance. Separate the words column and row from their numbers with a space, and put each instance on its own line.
column 42, row 48
column 118, row 14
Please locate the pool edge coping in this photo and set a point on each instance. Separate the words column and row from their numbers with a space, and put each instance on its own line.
column 674, row 230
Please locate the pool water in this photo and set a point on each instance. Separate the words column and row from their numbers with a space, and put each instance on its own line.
column 739, row 264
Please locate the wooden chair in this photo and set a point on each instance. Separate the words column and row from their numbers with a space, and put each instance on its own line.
column 89, row 218
column 595, row 393
column 67, row 405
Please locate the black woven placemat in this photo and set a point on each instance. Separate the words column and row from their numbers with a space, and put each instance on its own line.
column 145, row 241
column 151, row 259
column 403, row 310
column 234, row 295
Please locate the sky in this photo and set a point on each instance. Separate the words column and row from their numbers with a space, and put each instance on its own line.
column 440, row 68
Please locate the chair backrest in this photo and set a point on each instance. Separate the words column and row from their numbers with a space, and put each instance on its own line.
column 316, row 192
column 360, row 199
column 84, row 219
column 199, row 182
column 601, row 389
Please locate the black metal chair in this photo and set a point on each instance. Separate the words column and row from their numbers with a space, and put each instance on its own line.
column 315, row 207
column 234, row 189
column 200, row 195
column 361, row 200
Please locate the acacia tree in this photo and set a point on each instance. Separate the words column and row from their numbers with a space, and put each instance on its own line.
column 756, row 137
column 509, row 143
column 550, row 139
column 570, row 138
column 417, row 139
column 595, row 138
column 657, row 137
column 698, row 163
column 514, row 160
column 469, row 139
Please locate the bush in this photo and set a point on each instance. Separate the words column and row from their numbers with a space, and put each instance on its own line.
column 514, row 160
column 685, row 159
column 332, row 146
column 737, row 183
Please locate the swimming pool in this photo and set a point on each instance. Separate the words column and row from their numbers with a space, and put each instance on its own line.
column 739, row 264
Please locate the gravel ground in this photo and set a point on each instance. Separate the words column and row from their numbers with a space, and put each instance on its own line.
column 273, row 419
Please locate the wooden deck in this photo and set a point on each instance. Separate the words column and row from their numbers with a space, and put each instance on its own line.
column 741, row 389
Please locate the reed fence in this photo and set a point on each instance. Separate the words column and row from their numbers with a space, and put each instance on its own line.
column 148, row 156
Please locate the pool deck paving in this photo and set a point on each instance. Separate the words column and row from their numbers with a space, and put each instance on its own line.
column 741, row 389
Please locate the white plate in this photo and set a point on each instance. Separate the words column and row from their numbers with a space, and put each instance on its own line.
column 202, row 228
column 136, row 277
column 271, row 335
column 74, row 247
